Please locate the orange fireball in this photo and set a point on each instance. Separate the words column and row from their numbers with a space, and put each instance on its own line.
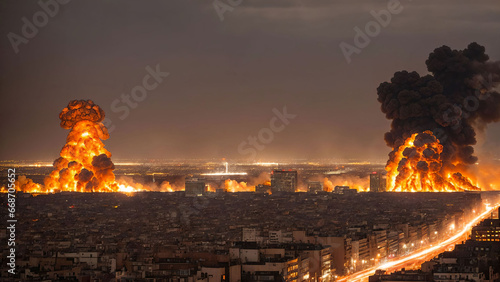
column 416, row 166
column 85, row 165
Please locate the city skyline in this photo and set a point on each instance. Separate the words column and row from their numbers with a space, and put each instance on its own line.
column 250, row 140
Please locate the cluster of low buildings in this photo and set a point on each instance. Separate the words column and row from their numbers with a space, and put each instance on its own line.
column 281, row 180
column 154, row 236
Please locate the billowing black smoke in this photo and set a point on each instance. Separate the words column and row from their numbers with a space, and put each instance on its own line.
column 457, row 98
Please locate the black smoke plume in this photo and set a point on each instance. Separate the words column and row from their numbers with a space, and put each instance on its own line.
column 457, row 98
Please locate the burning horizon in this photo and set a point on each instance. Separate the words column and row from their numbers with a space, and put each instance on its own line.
column 431, row 140
column 85, row 165
column 435, row 118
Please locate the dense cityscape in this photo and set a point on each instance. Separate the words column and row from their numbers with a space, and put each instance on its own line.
column 274, row 232
column 250, row 141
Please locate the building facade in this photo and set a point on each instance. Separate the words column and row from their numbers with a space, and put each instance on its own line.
column 283, row 181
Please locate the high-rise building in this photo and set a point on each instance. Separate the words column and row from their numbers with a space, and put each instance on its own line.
column 194, row 187
column 377, row 182
column 374, row 182
column 283, row 181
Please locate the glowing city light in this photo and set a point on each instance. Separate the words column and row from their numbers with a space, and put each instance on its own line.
column 417, row 256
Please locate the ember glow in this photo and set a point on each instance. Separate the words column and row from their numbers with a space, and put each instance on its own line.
column 416, row 166
column 25, row 184
column 235, row 186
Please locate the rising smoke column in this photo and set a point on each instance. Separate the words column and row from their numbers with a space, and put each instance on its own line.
column 85, row 164
column 451, row 103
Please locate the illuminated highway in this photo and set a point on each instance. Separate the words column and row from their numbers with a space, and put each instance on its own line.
column 420, row 256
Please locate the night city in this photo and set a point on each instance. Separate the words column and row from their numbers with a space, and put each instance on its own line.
column 250, row 140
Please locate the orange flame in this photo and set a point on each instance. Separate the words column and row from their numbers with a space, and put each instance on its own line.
column 84, row 165
column 235, row 186
column 416, row 166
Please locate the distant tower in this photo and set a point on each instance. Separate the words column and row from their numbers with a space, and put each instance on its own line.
column 283, row 181
column 377, row 182
column 374, row 182
column 227, row 167
column 154, row 178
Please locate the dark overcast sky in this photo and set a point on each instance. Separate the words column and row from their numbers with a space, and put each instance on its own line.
column 225, row 76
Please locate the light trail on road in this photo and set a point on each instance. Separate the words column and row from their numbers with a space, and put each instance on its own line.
column 398, row 263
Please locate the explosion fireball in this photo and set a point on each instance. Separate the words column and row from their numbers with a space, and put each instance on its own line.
column 417, row 166
column 85, row 165
column 435, row 118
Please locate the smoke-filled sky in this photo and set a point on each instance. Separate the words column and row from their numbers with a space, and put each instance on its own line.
column 225, row 76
